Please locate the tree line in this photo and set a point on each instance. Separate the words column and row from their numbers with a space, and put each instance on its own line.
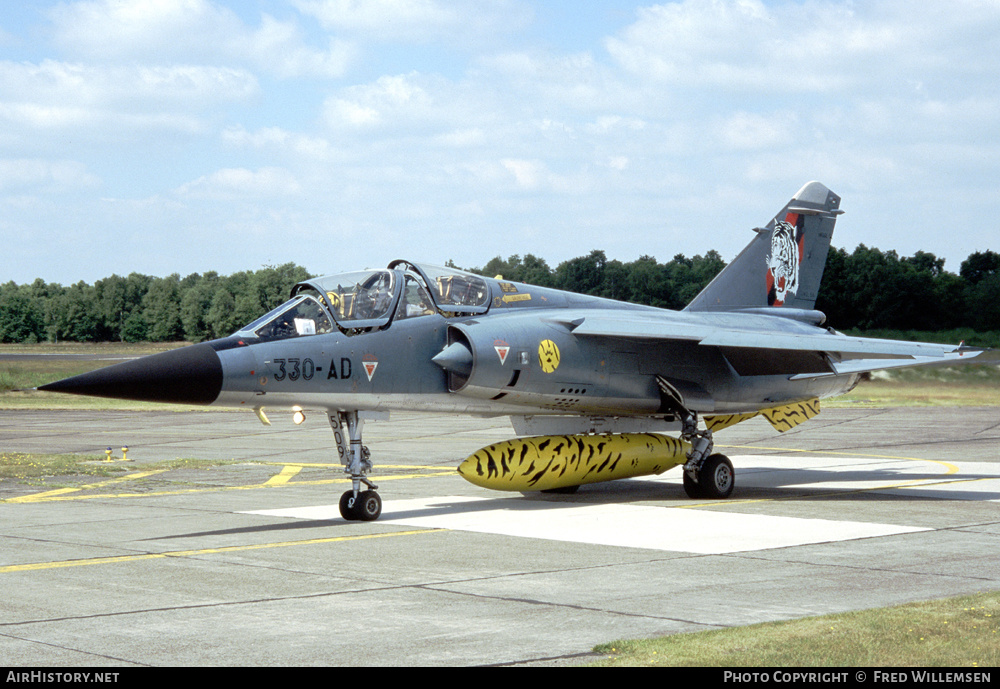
column 865, row 289
column 140, row 308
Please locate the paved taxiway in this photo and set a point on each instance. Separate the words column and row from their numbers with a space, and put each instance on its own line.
column 249, row 564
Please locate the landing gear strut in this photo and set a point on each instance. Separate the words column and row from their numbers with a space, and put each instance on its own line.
column 356, row 504
column 706, row 475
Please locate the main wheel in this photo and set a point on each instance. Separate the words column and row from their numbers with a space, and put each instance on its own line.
column 716, row 478
column 368, row 506
column 692, row 487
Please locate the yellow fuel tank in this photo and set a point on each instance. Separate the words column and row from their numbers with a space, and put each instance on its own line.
column 560, row 461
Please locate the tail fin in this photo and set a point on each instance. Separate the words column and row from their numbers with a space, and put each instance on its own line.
column 783, row 265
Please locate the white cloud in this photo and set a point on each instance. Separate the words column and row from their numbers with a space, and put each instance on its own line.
column 279, row 142
column 615, row 123
column 576, row 82
column 45, row 175
column 192, row 31
column 61, row 92
column 463, row 138
column 459, row 22
column 279, row 47
column 109, row 110
column 744, row 131
column 527, row 173
column 747, row 45
column 393, row 16
column 240, row 183
column 400, row 101
column 618, row 163
column 535, row 176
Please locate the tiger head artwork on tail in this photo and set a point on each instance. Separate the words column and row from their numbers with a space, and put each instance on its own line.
column 783, row 261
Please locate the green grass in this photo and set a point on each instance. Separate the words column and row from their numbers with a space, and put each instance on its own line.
column 23, row 466
column 35, row 468
column 968, row 386
column 954, row 632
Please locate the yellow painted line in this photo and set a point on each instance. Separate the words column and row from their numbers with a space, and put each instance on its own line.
column 59, row 492
column 189, row 491
column 36, row 566
column 45, row 495
column 284, row 477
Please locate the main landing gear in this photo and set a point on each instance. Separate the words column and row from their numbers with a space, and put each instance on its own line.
column 706, row 475
column 356, row 504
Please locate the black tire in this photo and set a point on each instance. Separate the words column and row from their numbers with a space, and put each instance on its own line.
column 368, row 506
column 349, row 506
column 692, row 487
column 716, row 478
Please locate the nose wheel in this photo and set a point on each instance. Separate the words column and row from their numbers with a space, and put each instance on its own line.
column 366, row 506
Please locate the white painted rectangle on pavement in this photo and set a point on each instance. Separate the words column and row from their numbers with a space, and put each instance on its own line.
column 631, row 526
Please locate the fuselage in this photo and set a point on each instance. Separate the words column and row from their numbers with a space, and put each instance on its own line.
column 419, row 338
column 509, row 367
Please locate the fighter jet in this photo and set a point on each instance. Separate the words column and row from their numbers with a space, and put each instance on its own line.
column 591, row 385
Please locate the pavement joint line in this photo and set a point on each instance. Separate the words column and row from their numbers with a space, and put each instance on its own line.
column 442, row 587
column 36, row 566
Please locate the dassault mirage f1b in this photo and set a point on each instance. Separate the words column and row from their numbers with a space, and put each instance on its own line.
column 590, row 384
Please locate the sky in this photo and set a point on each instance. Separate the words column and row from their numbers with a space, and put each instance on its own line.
column 186, row 136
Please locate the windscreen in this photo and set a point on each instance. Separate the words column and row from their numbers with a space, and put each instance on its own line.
column 299, row 317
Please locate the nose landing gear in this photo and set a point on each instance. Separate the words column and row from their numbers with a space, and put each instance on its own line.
column 356, row 504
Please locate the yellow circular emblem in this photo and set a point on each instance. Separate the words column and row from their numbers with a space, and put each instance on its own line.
column 548, row 356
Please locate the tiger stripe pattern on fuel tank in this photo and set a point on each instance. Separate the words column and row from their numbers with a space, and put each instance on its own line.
column 561, row 461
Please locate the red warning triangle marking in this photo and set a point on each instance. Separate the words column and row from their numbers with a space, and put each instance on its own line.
column 370, row 367
column 502, row 351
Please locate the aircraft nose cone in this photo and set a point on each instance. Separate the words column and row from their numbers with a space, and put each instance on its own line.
column 189, row 375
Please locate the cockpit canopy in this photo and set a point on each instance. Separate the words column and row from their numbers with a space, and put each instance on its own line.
column 452, row 289
column 354, row 297
column 362, row 301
